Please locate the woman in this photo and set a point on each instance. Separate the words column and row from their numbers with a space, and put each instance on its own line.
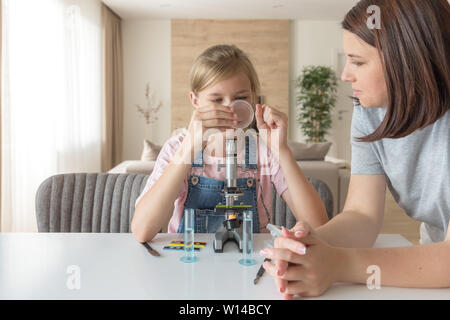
column 400, row 137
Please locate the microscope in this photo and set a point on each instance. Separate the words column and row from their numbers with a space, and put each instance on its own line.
column 232, row 228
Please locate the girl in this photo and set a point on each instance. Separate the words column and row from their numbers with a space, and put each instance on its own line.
column 400, row 138
column 219, row 76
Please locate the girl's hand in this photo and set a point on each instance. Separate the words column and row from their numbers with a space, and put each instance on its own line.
column 208, row 117
column 271, row 120
column 304, row 264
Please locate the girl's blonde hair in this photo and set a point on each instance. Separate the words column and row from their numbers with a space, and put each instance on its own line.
column 221, row 62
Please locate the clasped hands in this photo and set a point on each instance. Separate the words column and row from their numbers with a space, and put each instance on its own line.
column 304, row 265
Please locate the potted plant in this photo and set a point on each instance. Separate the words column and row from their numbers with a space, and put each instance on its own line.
column 316, row 96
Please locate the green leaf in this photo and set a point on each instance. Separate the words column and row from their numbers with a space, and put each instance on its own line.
column 316, row 89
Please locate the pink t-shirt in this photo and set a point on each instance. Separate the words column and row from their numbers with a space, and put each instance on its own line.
column 268, row 173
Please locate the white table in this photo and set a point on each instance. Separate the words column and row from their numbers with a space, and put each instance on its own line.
column 116, row 266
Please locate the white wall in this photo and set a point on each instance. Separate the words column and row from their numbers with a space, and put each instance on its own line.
column 147, row 58
column 146, row 54
column 318, row 43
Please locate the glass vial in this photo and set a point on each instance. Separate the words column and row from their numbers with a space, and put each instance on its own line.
column 189, row 223
column 247, row 240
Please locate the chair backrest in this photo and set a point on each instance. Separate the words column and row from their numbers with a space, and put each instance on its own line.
column 282, row 214
column 88, row 202
column 102, row 202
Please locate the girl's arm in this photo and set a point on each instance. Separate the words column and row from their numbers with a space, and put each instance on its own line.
column 359, row 223
column 157, row 204
column 308, row 206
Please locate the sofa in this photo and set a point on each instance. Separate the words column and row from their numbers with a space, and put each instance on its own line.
column 332, row 171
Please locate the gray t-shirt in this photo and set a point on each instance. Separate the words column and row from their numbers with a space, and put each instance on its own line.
column 417, row 167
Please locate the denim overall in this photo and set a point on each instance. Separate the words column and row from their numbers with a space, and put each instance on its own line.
column 205, row 193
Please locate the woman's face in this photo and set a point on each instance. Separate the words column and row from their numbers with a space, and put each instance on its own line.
column 364, row 70
column 224, row 92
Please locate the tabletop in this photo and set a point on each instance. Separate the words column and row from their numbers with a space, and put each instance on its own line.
column 115, row 266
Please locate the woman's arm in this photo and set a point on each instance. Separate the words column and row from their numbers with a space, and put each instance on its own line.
column 338, row 251
column 309, row 207
column 357, row 226
column 421, row 266
column 311, row 272
column 360, row 222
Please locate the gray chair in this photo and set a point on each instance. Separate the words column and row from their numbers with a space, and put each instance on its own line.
column 282, row 214
column 88, row 202
column 104, row 202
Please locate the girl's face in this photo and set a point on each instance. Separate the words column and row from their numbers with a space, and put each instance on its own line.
column 364, row 70
column 224, row 92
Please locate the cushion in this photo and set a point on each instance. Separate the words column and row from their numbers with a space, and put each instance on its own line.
column 150, row 152
column 309, row 151
column 145, row 167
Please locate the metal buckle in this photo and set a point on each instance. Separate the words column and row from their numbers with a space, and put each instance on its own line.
column 194, row 180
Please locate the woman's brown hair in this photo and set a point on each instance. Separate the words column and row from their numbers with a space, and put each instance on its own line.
column 414, row 45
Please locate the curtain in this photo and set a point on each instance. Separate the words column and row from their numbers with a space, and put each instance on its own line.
column 112, row 111
column 51, row 93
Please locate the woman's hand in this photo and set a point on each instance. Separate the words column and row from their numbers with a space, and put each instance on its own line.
column 304, row 264
column 271, row 120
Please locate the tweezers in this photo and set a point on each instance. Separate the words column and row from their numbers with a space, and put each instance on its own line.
column 260, row 272
column 152, row 251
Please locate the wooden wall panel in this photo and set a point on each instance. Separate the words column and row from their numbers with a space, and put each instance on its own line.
column 265, row 41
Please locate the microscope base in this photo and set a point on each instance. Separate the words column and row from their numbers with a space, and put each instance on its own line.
column 223, row 235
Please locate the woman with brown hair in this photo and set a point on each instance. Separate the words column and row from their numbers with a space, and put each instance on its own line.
column 400, row 138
